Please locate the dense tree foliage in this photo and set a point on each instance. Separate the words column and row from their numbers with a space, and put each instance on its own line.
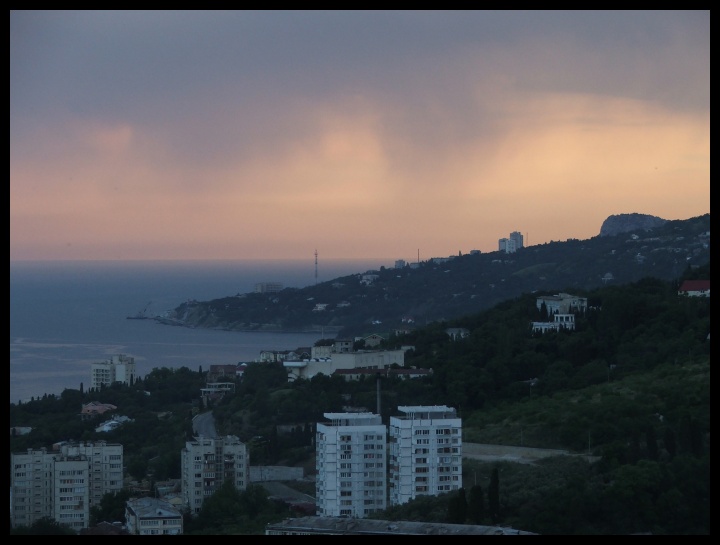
column 111, row 508
column 233, row 512
column 43, row 527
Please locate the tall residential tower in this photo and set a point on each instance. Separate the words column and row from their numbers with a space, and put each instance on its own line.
column 351, row 469
column 207, row 463
column 425, row 452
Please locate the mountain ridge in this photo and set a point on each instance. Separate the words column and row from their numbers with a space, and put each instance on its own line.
column 443, row 289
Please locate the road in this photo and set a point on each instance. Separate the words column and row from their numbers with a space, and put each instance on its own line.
column 204, row 424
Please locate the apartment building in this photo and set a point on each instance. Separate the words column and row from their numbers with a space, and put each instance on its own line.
column 351, row 465
column 512, row 244
column 425, row 452
column 207, row 463
column 63, row 484
column 119, row 368
column 152, row 516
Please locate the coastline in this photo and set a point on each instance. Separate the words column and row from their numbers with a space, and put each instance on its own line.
column 254, row 328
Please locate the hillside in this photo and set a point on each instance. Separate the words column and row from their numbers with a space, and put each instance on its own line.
column 446, row 288
column 631, row 386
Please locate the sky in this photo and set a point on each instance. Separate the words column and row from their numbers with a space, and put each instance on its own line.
column 385, row 134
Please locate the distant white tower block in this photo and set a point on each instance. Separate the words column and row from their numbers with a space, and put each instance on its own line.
column 517, row 237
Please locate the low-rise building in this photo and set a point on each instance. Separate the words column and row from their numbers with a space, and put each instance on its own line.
column 562, row 303
column 560, row 321
column 152, row 516
column 695, row 288
column 361, row 359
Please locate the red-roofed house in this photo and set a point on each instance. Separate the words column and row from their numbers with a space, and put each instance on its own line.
column 695, row 288
column 95, row 408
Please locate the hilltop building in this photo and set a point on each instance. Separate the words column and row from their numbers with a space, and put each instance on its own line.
column 268, row 287
column 65, row 483
column 350, row 462
column 562, row 303
column 695, row 288
column 512, row 244
column 560, row 321
column 94, row 409
column 120, row 368
column 425, row 452
column 207, row 463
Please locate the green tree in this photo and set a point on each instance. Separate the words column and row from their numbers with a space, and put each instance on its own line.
column 45, row 526
column 111, row 507
column 670, row 442
column 476, row 505
column 494, row 496
column 651, row 442
column 457, row 508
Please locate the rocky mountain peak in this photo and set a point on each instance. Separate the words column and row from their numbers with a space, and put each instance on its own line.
column 623, row 223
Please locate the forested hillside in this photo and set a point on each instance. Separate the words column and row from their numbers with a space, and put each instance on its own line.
column 446, row 288
column 631, row 385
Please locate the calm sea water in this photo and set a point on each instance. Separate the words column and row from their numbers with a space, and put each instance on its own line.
column 64, row 316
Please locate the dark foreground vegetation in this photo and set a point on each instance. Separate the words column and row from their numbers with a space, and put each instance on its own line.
column 631, row 385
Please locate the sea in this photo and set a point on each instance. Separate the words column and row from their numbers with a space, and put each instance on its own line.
column 67, row 315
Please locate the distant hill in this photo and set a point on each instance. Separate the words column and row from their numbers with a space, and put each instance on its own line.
column 625, row 223
column 442, row 289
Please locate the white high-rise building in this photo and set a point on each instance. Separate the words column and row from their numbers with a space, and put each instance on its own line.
column 120, row 368
column 425, row 452
column 65, row 483
column 512, row 244
column 518, row 238
column 506, row 245
column 207, row 463
column 351, row 468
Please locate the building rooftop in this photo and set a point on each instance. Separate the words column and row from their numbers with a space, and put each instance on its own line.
column 339, row 526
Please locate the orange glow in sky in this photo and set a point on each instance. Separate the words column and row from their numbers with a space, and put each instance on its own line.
column 347, row 148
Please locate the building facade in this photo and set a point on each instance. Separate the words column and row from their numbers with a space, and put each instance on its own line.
column 517, row 238
column 268, row 287
column 120, row 368
column 63, row 484
column 560, row 321
column 304, row 526
column 351, row 465
column 425, row 454
column 152, row 517
column 361, row 359
column 512, row 244
column 562, row 303
column 207, row 463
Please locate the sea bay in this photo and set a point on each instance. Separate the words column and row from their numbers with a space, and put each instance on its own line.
column 64, row 316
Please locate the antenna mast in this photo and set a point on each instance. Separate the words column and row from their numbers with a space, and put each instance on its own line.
column 316, row 266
